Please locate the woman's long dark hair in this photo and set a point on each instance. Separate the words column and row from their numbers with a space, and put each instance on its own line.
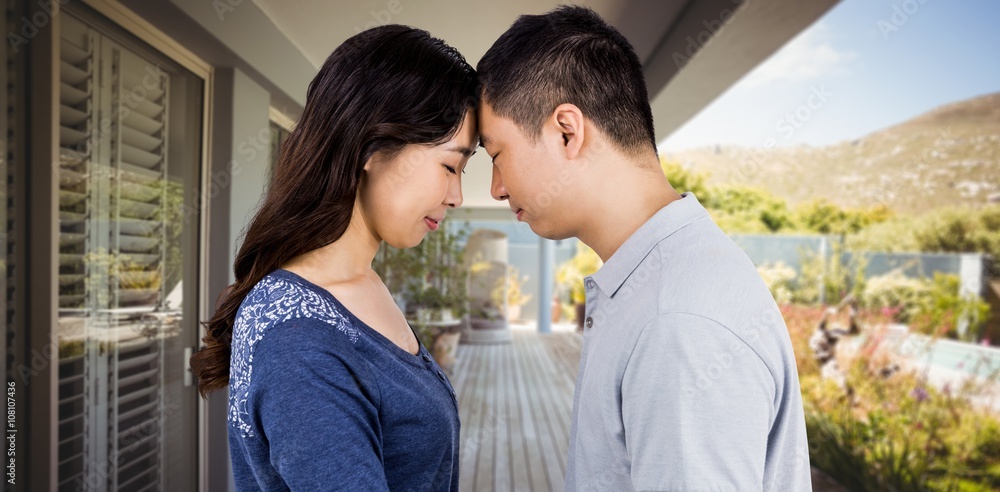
column 382, row 89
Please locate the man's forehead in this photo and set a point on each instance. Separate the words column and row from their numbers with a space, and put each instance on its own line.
column 488, row 121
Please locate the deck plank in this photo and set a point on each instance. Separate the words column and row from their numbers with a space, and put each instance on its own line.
column 557, row 407
column 470, row 405
column 515, row 402
column 485, row 466
column 501, row 426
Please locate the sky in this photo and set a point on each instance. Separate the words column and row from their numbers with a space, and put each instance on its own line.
column 864, row 66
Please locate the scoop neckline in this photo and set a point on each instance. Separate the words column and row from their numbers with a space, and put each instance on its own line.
column 415, row 359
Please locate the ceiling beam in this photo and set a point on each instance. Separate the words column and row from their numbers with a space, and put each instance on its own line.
column 713, row 45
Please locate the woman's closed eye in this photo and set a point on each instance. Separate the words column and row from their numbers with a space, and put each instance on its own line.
column 452, row 169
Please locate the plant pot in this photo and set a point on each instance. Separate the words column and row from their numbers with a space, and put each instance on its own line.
column 556, row 310
column 444, row 315
column 445, row 348
column 514, row 312
column 581, row 313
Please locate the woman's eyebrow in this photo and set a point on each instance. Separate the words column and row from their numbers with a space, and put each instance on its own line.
column 465, row 151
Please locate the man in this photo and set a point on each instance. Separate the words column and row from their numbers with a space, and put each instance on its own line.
column 687, row 379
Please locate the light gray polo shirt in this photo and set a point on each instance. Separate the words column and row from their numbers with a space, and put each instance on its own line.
column 687, row 379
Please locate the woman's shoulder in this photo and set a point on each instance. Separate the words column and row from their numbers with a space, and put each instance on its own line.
column 284, row 313
column 282, row 296
column 283, row 308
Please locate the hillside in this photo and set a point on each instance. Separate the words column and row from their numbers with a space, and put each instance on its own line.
column 948, row 156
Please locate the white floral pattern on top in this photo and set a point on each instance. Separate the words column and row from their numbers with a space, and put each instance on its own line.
column 272, row 301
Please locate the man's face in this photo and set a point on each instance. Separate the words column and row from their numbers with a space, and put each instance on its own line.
column 530, row 175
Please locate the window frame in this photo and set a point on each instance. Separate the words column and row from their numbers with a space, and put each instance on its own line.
column 41, row 212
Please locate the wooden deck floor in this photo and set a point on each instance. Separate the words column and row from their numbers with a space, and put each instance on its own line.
column 515, row 401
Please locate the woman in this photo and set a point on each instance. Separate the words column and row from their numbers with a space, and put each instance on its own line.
column 329, row 388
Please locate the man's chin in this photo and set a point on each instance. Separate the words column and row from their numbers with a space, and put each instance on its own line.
column 546, row 232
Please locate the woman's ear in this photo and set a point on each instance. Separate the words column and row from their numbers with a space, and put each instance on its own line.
column 568, row 120
column 373, row 162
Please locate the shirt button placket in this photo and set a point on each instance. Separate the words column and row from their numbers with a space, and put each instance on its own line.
column 591, row 295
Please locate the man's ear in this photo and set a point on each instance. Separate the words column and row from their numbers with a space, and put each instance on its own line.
column 568, row 120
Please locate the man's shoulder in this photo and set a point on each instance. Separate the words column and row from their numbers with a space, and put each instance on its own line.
column 700, row 269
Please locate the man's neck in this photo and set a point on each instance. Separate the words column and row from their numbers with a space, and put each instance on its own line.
column 629, row 195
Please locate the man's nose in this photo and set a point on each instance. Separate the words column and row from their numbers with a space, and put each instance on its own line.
column 497, row 189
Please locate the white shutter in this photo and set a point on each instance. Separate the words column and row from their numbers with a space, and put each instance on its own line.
column 138, row 187
column 77, row 119
column 112, row 175
column 138, row 152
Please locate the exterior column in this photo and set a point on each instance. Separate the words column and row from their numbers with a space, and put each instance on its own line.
column 546, row 273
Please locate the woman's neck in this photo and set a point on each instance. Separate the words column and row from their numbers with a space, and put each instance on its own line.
column 345, row 259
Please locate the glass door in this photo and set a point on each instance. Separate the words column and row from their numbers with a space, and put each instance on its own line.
column 130, row 140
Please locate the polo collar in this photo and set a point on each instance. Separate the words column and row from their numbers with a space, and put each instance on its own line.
column 636, row 248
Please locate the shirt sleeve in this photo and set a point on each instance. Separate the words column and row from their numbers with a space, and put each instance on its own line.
column 316, row 406
column 697, row 406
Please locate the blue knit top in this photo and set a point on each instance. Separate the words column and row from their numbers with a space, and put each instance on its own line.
column 318, row 400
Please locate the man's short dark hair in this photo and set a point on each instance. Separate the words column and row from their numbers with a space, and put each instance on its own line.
column 569, row 55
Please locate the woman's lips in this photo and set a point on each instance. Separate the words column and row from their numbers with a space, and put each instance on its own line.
column 431, row 223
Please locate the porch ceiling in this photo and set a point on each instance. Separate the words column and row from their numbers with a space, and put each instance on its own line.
column 316, row 27
column 692, row 50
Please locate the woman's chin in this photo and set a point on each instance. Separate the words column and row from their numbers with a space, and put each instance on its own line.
column 405, row 242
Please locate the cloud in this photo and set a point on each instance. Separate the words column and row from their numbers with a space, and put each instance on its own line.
column 810, row 55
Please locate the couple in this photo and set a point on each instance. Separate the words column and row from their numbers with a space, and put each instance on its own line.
column 687, row 379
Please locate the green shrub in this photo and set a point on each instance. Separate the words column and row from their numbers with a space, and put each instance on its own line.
column 895, row 291
column 829, row 273
column 759, row 209
column 932, row 307
column 780, row 280
column 895, row 433
column 944, row 309
column 947, row 230
column 823, row 217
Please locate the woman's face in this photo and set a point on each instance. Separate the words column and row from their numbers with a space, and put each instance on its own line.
column 407, row 196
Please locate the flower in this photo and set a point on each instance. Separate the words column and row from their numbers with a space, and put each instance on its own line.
column 919, row 393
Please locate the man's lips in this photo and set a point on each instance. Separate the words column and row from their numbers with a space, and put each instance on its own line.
column 517, row 212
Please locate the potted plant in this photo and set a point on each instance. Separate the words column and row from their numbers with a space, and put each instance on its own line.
column 400, row 270
column 433, row 305
column 508, row 293
column 571, row 274
column 429, row 283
